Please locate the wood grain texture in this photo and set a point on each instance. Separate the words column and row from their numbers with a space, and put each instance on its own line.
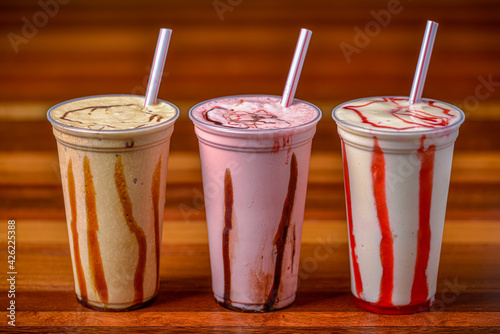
column 94, row 47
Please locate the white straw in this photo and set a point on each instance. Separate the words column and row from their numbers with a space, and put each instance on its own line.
column 296, row 67
column 423, row 62
column 157, row 68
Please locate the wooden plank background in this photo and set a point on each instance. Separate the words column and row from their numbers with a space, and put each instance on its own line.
column 54, row 50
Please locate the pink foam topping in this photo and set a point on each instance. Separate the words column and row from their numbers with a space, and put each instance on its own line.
column 254, row 113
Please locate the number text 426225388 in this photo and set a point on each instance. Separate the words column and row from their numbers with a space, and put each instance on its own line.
column 11, row 272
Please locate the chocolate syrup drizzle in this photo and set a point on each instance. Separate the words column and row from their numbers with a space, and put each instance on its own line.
column 155, row 195
column 244, row 119
column 279, row 239
column 294, row 239
column 228, row 216
column 121, row 187
column 91, row 109
column 74, row 232
column 281, row 234
column 95, row 259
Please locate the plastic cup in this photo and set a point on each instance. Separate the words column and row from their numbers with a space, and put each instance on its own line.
column 114, row 186
column 396, row 186
column 254, row 184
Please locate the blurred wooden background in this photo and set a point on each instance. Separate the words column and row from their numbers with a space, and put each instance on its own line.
column 54, row 50
column 98, row 47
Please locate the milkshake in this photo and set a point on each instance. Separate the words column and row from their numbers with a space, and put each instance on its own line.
column 113, row 156
column 255, row 161
column 397, row 162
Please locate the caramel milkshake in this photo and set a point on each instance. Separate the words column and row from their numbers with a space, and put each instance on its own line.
column 255, row 162
column 397, row 162
column 113, row 156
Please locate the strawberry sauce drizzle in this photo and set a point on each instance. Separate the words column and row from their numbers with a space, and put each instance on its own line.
column 420, row 289
column 386, row 244
column 415, row 118
column 352, row 239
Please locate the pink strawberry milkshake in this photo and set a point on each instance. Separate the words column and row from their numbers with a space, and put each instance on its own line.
column 255, row 162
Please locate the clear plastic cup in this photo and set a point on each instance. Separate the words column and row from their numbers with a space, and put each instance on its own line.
column 114, row 184
column 255, row 184
column 396, row 186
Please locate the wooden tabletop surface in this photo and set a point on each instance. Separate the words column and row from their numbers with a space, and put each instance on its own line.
column 54, row 50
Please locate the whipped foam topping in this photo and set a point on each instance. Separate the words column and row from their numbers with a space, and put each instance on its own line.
column 396, row 113
column 253, row 113
column 119, row 112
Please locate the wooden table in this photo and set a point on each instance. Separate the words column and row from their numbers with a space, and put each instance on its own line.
column 88, row 48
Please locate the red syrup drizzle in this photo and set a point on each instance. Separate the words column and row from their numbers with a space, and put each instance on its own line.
column 352, row 239
column 386, row 244
column 413, row 117
column 283, row 142
column 420, row 289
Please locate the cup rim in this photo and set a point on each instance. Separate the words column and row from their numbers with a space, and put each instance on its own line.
column 231, row 130
column 390, row 132
column 68, row 128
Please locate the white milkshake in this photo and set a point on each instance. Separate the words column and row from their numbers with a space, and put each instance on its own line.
column 397, row 162
column 113, row 156
column 255, row 162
